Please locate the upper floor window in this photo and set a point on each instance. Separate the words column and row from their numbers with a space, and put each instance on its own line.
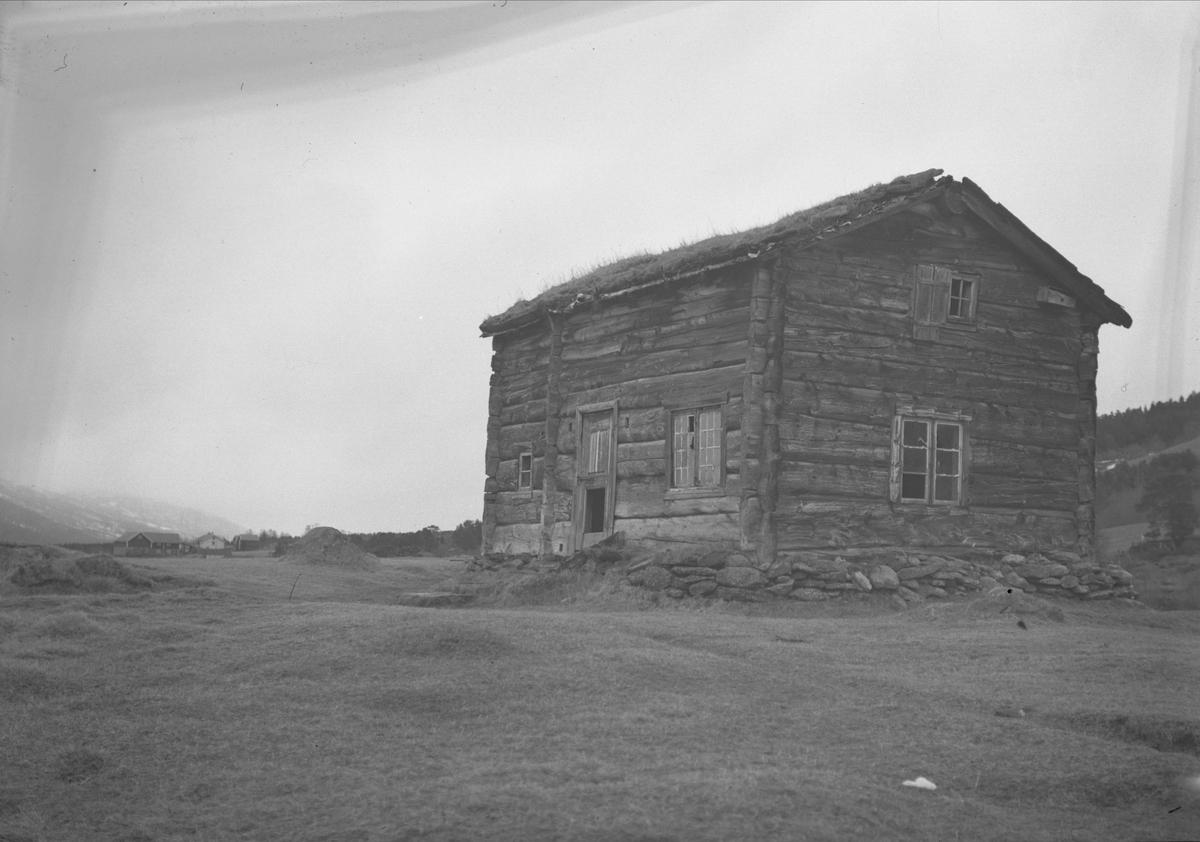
column 697, row 447
column 943, row 296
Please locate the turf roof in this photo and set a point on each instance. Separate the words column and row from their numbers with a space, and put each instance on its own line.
column 636, row 271
column 836, row 216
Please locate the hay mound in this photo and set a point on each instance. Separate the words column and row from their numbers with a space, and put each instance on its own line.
column 329, row 547
column 90, row 574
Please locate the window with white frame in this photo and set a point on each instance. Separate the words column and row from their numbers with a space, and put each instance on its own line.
column 928, row 461
column 697, row 445
column 525, row 471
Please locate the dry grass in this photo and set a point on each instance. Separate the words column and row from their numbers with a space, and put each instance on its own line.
column 229, row 712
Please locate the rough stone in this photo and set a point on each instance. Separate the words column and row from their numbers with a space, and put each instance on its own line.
column 808, row 595
column 1081, row 589
column 1014, row 580
column 910, row 595
column 919, row 572
column 1100, row 595
column 675, row 593
column 864, row 584
column 703, row 588
column 1042, row 571
column 1013, row 558
column 737, row 560
column 740, row 594
column 782, row 589
column 740, row 577
column 1051, row 582
column 1065, row 557
column 929, row 590
column 986, row 583
column 681, row 570
column 836, row 565
column 1069, row 582
column 656, row 578
column 784, row 580
column 838, row 586
column 884, row 577
column 778, row 570
column 640, row 564
column 898, row 601
column 1121, row 575
column 716, row 558
column 835, row 576
column 801, row 569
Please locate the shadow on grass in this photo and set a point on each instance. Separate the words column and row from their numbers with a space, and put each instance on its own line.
column 1173, row 735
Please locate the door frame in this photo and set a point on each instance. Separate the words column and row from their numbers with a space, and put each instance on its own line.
column 606, row 480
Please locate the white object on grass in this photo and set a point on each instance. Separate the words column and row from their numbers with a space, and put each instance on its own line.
column 921, row 783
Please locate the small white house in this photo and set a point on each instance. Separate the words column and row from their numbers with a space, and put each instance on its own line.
column 209, row 541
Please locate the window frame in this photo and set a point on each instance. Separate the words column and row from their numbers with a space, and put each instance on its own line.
column 933, row 300
column 524, row 474
column 696, row 409
column 932, row 418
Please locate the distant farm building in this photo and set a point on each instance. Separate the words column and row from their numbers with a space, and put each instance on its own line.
column 148, row 544
column 208, row 543
column 905, row 368
column 245, row 543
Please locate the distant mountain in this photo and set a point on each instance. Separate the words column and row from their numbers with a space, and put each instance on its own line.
column 30, row 516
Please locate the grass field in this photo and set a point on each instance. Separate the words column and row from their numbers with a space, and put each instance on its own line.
column 222, row 710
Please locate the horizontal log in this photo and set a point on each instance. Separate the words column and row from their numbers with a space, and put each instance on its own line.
column 515, row 438
column 804, row 480
column 523, row 413
column 1021, row 492
column 994, row 422
column 937, row 376
column 692, row 529
column 1022, row 460
column 833, row 524
column 625, row 368
column 648, row 499
column 1013, row 339
column 905, row 349
column 671, row 390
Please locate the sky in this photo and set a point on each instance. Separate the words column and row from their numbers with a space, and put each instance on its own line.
column 245, row 248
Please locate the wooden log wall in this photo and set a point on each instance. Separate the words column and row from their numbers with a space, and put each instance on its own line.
column 1085, row 514
column 763, row 394
column 516, row 422
column 673, row 346
column 849, row 359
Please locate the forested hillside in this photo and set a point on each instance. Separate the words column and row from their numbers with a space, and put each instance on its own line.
column 1125, row 441
column 1137, row 432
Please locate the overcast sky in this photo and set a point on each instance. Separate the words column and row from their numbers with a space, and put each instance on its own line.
column 246, row 247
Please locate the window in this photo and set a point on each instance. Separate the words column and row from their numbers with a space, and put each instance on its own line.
column 597, row 429
column 525, row 471
column 942, row 297
column 928, row 460
column 697, row 439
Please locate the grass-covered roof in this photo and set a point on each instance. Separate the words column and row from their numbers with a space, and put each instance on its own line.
column 830, row 218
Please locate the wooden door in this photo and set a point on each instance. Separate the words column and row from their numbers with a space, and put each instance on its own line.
column 595, row 477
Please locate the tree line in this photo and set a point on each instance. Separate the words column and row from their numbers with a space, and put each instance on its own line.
column 1149, row 429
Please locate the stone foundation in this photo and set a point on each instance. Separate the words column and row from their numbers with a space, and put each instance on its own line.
column 816, row 576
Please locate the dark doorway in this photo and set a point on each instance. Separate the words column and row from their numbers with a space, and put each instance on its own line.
column 593, row 518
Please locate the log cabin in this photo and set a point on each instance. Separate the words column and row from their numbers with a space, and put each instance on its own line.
column 905, row 368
